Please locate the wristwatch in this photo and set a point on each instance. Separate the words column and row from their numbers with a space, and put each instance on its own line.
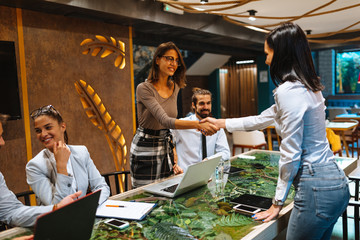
column 277, row 202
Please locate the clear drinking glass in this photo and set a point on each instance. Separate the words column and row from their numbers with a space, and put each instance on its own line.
column 221, row 176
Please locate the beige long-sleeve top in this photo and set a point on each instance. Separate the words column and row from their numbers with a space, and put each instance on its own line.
column 155, row 112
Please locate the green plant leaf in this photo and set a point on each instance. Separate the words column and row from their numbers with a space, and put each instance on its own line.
column 207, row 215
column 234, row 220
column 168, row 231
column 223, row 236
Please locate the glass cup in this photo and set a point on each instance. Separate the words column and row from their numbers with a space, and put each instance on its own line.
column 221, row 177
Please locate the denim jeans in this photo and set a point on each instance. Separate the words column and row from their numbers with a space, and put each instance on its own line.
column 321, row 196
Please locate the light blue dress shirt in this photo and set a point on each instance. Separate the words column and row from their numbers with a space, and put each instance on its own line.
column 299, row 118
column 189, row 145
column 13, row 212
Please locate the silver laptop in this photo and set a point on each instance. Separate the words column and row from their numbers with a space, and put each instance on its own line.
column 195, row 176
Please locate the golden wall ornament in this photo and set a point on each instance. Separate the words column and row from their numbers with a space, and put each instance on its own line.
column 100, row 117
column 105, row 46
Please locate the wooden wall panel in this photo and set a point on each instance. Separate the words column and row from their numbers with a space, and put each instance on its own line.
column 53, row 63
column 13, row 154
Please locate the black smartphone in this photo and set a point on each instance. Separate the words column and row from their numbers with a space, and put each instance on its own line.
column 253, row 200
column 234, row 170
column 247, row 210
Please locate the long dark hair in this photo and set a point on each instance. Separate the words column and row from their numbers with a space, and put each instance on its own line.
column 179, row 76
column 292, row 60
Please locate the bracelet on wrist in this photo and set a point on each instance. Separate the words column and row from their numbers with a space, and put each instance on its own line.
column 55, row 207
column 277, row 202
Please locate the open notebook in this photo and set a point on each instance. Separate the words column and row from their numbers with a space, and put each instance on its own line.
column 124, row 209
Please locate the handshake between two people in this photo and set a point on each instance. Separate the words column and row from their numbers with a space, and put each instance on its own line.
column 209, row 126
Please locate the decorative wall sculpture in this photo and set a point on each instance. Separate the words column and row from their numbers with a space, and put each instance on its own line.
column 94, row 107
column 106, row 46
column 100, row 117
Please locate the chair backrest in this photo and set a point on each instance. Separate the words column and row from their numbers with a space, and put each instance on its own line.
column 355, row 110
column 352, row 135
column 333, row 112
column 4, row 226
column 25, row 197
column 252, row 138
column 119, row 179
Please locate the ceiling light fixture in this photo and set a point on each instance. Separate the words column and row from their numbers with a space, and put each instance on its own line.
column 203, row 1
column 252, row 15
column 245, row 62
column 258, row 29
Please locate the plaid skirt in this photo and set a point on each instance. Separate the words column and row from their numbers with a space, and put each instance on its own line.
column 151, row 156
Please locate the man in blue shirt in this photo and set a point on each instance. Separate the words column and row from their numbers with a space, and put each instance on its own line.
column 12, row 211
column 189, row 142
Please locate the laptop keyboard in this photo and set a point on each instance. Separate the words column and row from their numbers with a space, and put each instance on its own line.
column 170, row 189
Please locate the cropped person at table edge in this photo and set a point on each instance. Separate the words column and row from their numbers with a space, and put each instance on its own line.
column 12, row 211
column 188, row 143
column 151, row 153
column 60, row 169
column 307, row 162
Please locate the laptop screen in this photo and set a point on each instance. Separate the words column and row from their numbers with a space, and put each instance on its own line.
column 73, row 221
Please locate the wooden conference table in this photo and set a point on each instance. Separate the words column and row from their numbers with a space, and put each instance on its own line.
column 205, row 212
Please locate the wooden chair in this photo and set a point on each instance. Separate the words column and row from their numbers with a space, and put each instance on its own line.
column 333, row 112
column 24, row 197
column 355, row 110
column 3, row 226
column 116, row 177
column 334, row 141
column 351, row 136
column 271, row 136
column 250, row 140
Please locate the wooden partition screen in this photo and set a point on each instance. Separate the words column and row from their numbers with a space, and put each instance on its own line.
column 238, row 87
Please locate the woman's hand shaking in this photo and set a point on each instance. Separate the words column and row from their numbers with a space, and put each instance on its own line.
column 218, row 123
column 207, row 128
